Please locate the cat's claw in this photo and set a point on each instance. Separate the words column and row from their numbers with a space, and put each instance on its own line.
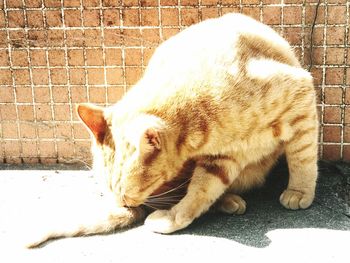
column 292, row 199
column 166, row 221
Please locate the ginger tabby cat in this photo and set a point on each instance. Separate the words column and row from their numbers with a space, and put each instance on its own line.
column 217, row 105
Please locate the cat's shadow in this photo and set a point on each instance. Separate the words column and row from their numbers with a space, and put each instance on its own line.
column 264, row 212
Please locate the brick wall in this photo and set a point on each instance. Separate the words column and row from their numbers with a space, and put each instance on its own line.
column 56, row 53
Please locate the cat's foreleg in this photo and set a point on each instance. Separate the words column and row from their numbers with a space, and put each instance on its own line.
column 301, row 153
column 209, row 181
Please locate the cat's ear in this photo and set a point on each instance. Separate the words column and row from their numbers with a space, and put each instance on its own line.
column 151, row 139
column 93, row 118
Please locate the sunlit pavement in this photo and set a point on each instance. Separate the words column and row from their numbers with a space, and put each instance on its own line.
column 33, row 200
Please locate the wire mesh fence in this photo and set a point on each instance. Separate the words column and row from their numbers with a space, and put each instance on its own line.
column 56, row 53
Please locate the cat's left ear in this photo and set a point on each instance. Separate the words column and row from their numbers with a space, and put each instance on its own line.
column 151, row 139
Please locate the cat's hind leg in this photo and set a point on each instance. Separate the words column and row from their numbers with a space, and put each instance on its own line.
column 301, row 153
column 301, row 142
column 211, row 178
column 252, row 176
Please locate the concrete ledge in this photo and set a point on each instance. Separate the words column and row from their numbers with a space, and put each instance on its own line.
column 33, row 199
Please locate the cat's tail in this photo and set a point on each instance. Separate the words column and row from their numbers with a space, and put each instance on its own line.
column 119, row 218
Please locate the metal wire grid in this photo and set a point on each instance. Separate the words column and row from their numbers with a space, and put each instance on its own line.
column 72, row 153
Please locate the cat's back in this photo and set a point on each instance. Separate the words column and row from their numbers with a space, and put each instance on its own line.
column 221, row 41
column 209, row 59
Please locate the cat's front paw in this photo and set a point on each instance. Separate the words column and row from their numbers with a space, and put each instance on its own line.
column 294, row 200
column 166, row 221
column 231, row 204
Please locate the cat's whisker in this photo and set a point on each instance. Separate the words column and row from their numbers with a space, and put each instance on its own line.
column 172, row 190
column 162, row 204
column 167, row 192
column 172, row 200
column 150, row 206
column 165, row 198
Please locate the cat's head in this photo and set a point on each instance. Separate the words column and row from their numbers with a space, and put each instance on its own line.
column 130, row 151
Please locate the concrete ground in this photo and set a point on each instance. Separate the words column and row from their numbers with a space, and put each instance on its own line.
column 33, row 199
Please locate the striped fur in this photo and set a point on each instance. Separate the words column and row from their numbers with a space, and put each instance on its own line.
column 223, row 99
